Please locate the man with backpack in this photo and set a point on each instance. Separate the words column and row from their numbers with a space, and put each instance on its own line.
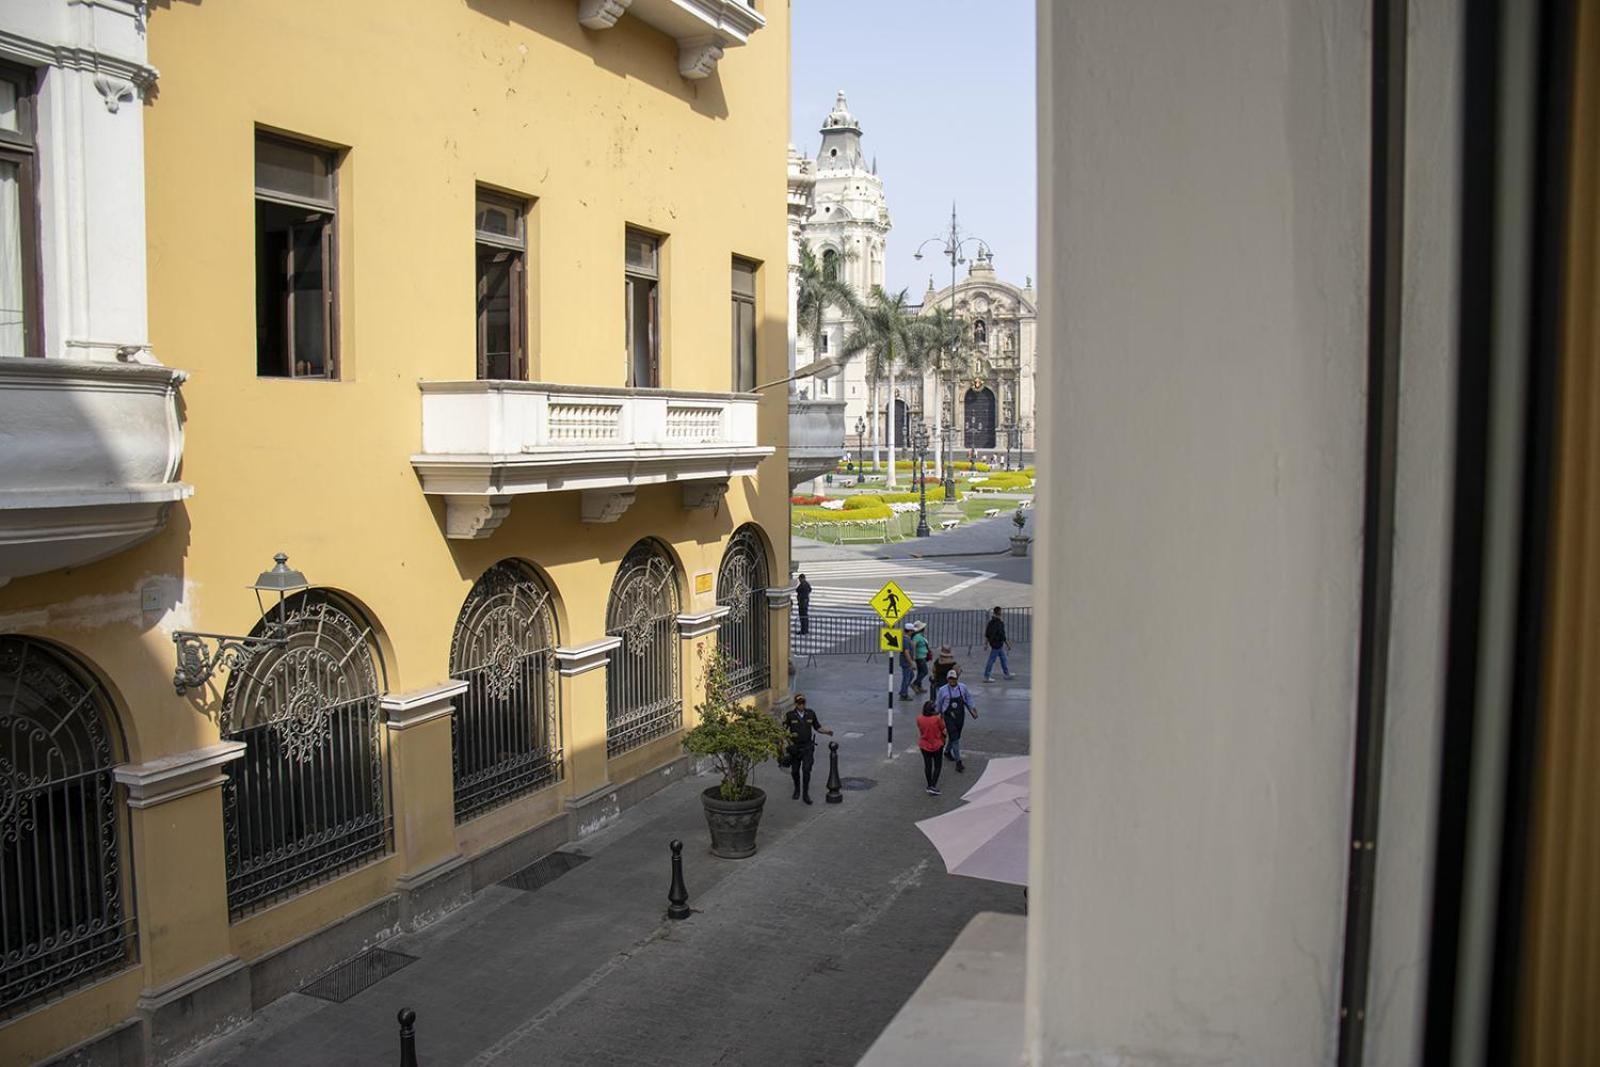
column 995, row 635
column 954, row 702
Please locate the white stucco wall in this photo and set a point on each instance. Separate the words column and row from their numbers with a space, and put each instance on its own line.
column 1203, row 223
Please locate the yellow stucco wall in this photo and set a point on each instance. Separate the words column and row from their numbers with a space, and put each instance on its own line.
column 427, row 100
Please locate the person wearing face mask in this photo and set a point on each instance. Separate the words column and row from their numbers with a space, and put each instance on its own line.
column 954, row 702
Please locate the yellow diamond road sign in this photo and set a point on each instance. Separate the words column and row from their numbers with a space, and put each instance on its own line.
column 889, row 639
column 891, row 603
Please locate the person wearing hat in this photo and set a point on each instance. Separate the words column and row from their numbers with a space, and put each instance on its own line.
column 954, row 701
column 941, row 665
column 922, row 653
column 802, row 724
column 908, row 663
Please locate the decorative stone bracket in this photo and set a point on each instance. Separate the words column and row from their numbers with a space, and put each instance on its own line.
column 702, row 28
column 704, row 496
column 601, row 14
column 697, row 56
column 401, row 711
column 474, row 517
column 606, row 505
column 581, row 659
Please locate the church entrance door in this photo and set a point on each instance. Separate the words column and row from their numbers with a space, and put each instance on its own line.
column 979, row 411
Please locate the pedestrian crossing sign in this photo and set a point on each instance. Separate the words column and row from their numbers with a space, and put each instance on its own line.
column 891, row 603
column 889, row 639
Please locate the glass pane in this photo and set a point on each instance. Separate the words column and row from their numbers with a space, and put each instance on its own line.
column 294, row 170
column 641, row 252
column 13, row 326
column 744, row 277
column 310, row 303
column 641, row 334
column 9, row 118
column 494, row 315
column 744, row 317
column 499, row 219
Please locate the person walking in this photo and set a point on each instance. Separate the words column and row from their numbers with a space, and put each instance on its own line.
column 954, row 702
column 922, row 654
column 908, row 665
column 942, row 664
column 930, row 740
column 802, row 724
column 802, row 596
column 995, row 635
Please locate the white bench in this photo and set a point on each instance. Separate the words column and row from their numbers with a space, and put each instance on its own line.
column 949, row 524
column 990, row 513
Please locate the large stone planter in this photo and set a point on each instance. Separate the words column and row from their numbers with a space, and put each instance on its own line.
column 1019, row 545
column 732, row 823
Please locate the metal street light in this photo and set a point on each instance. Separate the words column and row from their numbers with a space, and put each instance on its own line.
column 861, row 446
column 919, row 448
column 198, row 661
column 950, row 246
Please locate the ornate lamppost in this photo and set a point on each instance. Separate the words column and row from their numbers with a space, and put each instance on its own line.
column 950, row 244
column 861, row 446
column 919, row 448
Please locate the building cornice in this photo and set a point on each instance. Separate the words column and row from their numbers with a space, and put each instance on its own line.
column 76, row 57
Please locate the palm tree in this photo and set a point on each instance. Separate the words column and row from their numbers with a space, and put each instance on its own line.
column 891, row 338
column 816, row 291
column 946, row 338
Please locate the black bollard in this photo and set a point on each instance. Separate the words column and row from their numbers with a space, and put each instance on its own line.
column 834, row 785
column 678, row 894
column 408, row 1038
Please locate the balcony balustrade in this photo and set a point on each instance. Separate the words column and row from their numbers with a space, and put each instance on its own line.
column 486, row 442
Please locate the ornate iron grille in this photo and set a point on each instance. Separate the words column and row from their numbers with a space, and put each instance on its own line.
column 506, row 737
column 643, row 698
column 62, row 919
column 742, row 634
column 306, row 801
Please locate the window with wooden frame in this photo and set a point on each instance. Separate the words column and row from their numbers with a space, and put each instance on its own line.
column 296, row 276
column 21, row 332
column 744, row 325
column 500, row 231
column 642, row 301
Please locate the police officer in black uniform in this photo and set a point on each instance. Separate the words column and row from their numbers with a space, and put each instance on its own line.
column 802, row 724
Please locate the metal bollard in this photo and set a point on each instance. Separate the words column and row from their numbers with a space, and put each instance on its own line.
column 835, row 796
column 408, row 1038
column 678, row 894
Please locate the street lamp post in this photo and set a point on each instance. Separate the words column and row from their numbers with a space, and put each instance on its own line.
column 861, row 447
column 950, row 246
column 919, row 447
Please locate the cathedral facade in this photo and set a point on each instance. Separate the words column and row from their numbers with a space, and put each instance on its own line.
column 839, row 208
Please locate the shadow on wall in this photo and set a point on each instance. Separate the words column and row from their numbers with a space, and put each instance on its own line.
column 654, row 61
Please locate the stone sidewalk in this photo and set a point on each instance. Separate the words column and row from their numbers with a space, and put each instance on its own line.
column 798, row 955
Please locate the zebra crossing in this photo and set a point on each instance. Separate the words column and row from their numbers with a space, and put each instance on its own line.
column 848, row 584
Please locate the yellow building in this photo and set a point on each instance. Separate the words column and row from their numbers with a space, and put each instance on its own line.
column 473, row 300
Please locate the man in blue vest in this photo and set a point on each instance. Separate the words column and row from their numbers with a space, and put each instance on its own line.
column 954, row 702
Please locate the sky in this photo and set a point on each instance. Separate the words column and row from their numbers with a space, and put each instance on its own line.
column 944, row 92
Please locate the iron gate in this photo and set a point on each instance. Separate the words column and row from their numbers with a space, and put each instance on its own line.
column 62, row 916
column 505, row 733
column 742, row 634
column 306, row 801
column 643, row 698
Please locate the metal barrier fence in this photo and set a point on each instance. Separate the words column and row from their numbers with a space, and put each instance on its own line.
column 855, row 633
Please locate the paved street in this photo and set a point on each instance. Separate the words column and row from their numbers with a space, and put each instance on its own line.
column 799, row 955
column 986, row 537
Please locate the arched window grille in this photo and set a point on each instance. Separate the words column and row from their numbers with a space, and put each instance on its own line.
column 307, row 799
column 505, row 733
column 643, row 698
column 742, row 589
column 63, row 918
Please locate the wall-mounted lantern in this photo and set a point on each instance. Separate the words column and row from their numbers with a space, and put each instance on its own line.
column 200, row 655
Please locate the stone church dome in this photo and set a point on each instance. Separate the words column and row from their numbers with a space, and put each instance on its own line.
column 840, row 117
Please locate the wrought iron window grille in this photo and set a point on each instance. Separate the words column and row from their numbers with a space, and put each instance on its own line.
column 201, row 654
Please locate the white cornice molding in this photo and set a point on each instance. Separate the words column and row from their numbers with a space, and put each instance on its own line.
column 581, row 659
column 75, row 57
column 401, row 711
column 179, row 775
column 702, row 623
column 778, row 595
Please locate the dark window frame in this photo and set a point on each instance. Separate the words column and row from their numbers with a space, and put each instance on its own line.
column 328, row 241
column 745, row 364
column 21, row 147
column 489, row 247
column 650, row 280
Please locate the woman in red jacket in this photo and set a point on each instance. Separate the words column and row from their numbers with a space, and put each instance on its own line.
column 930, row 739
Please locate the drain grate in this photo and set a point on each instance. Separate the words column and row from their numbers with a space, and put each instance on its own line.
column 542, row 872
column 857, row 784
column 348, row 979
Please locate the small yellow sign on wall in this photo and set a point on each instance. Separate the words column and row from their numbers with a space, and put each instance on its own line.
column 702, row 583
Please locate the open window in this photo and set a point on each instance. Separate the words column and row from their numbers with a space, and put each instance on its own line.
column 296, row 227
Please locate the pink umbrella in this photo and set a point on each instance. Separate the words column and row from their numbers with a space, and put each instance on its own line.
column 1003, row 778
column 983, row 840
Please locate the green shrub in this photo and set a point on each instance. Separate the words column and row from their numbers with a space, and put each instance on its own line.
column 1003, row 481
column 934, row 496
column 863, row 500
column 736, row 736
column 798, row 515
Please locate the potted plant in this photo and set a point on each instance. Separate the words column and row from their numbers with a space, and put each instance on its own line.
column 737, row 737
column 1019, row 540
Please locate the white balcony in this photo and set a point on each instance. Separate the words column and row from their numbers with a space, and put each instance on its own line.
column 704, row 29
column 91, row 453
column 816, row 438
column 485, row 443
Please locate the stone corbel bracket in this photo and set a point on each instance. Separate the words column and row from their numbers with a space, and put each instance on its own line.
column 601, row 14
column 697, row 56
column 704, row 496
column 401, row 711
column 170, row 777
column 581, row 659
column 778, row 596
column 605, row 505
column 474, row 517
column 702, row 623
